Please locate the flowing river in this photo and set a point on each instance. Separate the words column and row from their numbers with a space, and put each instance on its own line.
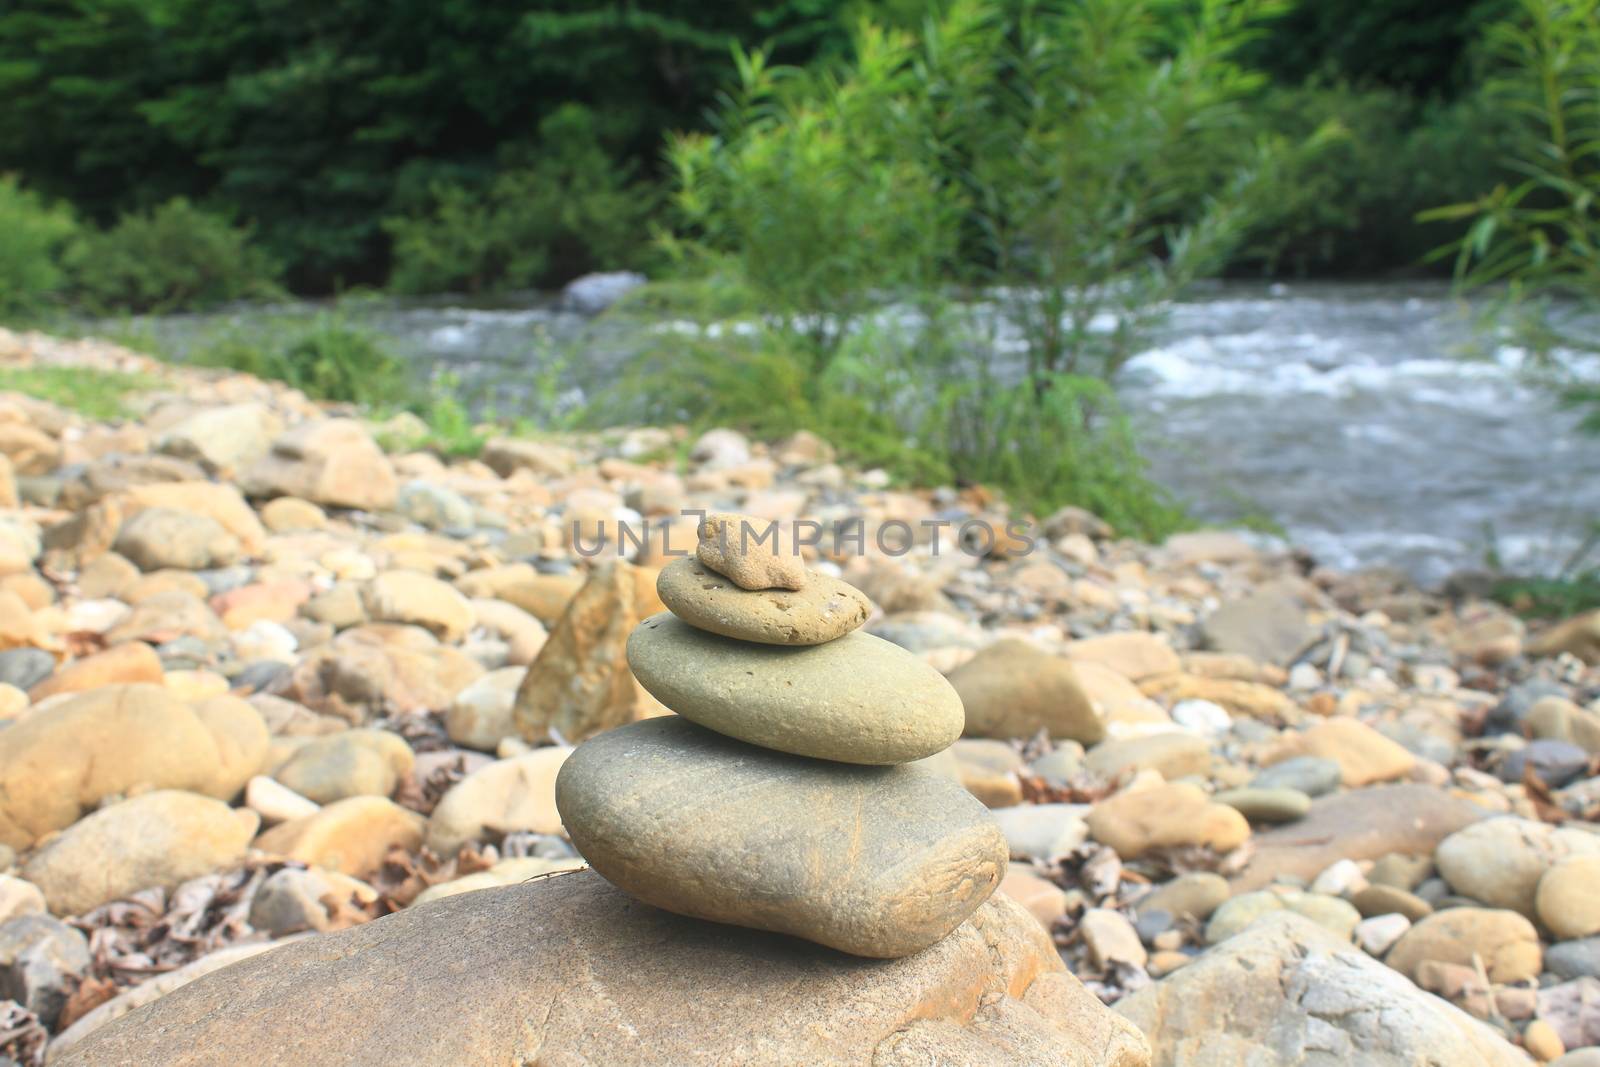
column 1373, row 422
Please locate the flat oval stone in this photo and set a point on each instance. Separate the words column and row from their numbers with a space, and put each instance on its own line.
column 859, row 699
column 875, row 861
column 824, row 609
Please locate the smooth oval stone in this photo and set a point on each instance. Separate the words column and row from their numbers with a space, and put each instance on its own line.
column 875, row 861
column 859, row 699
column 1266, row 805
column 824, row 609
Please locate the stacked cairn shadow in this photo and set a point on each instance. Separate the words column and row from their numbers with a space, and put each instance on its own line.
column 784, row 794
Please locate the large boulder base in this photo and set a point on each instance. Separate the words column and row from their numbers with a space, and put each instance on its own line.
column 572, row 971
column 1288, row 993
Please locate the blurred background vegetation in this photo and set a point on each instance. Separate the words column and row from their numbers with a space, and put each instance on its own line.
column 933, row 231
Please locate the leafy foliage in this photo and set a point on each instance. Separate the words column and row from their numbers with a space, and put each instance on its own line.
column 571, row 210
column 328, row 359
column 32, row 235
column 1540, row 234
column 174, row 257
column 1361, row 164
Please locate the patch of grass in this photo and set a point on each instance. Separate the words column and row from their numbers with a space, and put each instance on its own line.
column 328, row 358
column 96, row 394
column 1550, row 598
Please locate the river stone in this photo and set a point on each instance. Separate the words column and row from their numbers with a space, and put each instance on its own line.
column 1567, row 901
column 160, row 838
column 1266, row 805
column 1013, row 689
column 1194, row 895
column 1288, row 992
column 1507, row 943
column 1500, row 861
column 552, row 972
column 1311, row 775
column 1362, row 825
column 1174, row 815
column 859, row 699
column 58, row 765
column 877, row 861
column 823, row 609
column 1574, row 959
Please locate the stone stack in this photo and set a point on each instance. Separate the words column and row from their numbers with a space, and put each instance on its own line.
column 781, row 796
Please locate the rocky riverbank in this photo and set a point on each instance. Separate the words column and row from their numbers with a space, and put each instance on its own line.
column 271, row 690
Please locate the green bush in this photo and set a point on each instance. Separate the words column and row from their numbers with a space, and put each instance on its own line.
column 569, row 209
column 1363, row 165
column 172, row 258
column 1541, row 234
column 329, row 359
column 32, row 235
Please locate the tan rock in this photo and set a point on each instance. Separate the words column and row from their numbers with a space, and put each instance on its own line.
column 506, row 796
column 1568, row 899
column 351, row 836
column 1363, row 754
column 29, row 450
column 420, row 600
column 132, row 661
column 167, row 616
column 580, row 684
column 223, row 504
column 544, row 596
column 354, row 763
column 1239, row 697
column 1174, row 754
column 1013, row 689
column 753, row 553
column 1501, row 861
column 1507, row 943
column 506, row 456
column 58, row 764
column 1135, row 656
column 992, row 994
column 332, row 462
column 288, row 513
column 159, row 838
column 1166, row 816
column 1578, row 636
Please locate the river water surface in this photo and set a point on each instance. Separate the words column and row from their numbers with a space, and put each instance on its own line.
column 1376, row 423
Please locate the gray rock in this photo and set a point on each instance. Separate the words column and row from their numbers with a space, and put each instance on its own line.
column 1269, row 626
column 590, row 294
column 1311, row 775
column 1500, row 861
column 877, row 861
column 26, row 667
column 1287, row 993
column 1574, row 959
column 1196, row 894
column 41, row 960
column 434, row 506
column 1555, row 762
column 858, row 699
